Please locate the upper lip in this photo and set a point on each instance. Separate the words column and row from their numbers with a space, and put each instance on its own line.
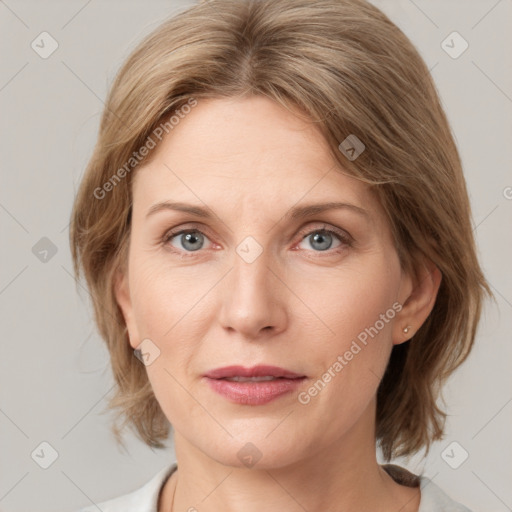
column 255, row 371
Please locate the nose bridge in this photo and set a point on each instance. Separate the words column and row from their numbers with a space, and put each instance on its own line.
column 250, row 270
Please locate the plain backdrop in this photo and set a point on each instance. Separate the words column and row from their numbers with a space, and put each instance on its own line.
column 54, row 370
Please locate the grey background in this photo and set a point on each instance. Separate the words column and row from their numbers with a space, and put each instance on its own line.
column 54, row 369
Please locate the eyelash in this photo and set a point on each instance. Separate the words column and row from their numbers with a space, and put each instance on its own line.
column 345, row 239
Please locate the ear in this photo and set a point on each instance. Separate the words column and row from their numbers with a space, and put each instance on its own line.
column 122, row 294
column 420, row 292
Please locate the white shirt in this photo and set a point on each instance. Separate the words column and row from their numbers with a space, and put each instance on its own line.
column 145, row 499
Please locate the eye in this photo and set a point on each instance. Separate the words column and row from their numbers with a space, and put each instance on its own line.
column 188, row 240
column 324, row 239
column 320, row 239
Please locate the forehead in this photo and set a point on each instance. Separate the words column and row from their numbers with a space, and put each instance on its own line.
column 249, row 153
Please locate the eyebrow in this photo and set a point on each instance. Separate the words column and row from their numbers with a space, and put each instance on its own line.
column 297, row 212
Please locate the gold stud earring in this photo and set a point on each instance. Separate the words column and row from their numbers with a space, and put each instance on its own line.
column 407, row 329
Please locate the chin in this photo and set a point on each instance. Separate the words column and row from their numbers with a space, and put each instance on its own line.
column 258, row 450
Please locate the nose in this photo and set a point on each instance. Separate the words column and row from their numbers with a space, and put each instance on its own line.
column 253, row 299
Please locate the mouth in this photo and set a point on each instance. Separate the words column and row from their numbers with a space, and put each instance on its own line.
column 253, row 386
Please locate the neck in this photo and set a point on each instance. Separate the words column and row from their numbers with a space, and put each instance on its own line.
column 345, row 476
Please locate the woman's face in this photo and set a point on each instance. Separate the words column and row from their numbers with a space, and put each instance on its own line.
column 257, row 282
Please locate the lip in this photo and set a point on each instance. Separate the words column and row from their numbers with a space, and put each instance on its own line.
column 255, row 371
column 253, row 393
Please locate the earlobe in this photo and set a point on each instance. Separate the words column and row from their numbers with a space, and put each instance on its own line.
column 419, row 302
column 122, row 294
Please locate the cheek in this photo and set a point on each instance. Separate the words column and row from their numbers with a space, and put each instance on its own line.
column 356, row 305
column 350, row 300
column 168, row 311
column 166, row 297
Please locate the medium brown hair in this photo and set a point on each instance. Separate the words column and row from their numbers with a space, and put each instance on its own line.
column 346, row 67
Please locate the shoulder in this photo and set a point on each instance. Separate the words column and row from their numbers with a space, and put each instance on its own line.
column 143, row 499
column 434, row 499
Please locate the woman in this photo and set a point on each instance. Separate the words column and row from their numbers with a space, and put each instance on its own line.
column 302, row 148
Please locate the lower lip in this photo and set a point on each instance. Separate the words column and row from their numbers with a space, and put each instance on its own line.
column 254, row 393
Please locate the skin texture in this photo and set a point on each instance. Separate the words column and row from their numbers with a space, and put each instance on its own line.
column 296, row 306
